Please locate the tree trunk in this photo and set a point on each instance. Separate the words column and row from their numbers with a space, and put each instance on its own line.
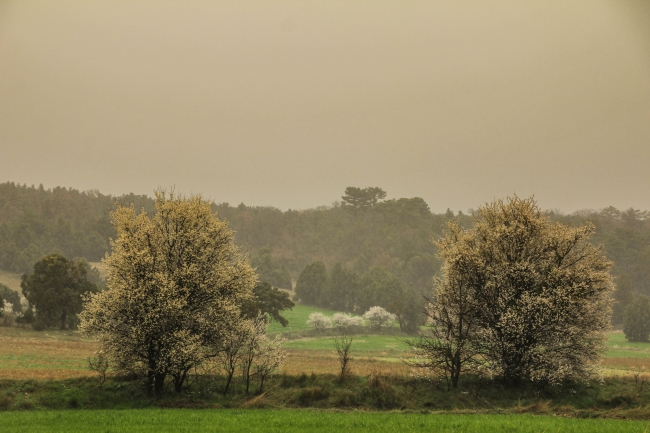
column 262, row 377
column 64, row 322
column 159, row 382
column 179, row 380
column 230, row 375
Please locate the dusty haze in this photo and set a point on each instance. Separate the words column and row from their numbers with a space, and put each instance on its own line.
column 287, row 103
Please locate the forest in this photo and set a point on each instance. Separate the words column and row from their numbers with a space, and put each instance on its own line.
column 362, row 236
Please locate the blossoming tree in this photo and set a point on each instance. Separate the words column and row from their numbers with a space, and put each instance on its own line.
column 528, row 297
column 173, row 280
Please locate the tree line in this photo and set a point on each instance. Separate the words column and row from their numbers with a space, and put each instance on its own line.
column 363, row 230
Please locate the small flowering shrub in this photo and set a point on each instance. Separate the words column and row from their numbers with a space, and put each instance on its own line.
column 378, row 317
column 319, row 321
column 345, row 321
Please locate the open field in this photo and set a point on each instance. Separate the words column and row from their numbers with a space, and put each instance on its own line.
column 158, row 421
column 297, row 318
column 624, row 357
column 54, row 354
column 42, row 355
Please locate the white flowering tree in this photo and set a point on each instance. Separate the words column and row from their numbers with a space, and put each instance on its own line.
column 173, row 281
column 531, row 297
column 269, row 356
column 378, row 317
column 344, row 321
column 248, row 348
column 446, row 350
column 319, row 321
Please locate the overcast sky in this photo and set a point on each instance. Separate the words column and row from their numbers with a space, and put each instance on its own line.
column 285, row 103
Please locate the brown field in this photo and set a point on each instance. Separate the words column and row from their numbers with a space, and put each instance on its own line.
column 28, row 354
column 623, row 364
column 321, row 361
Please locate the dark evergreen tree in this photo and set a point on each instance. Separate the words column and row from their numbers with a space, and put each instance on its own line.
column 623, row 297
column 362, row 198
column 378, row 287
column 342, row 289
column 636, row 324
column 312, row 283
column 55, row 289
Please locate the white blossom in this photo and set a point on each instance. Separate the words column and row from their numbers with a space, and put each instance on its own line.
column 174, row 281
column 378, row 317
column 344, row 321
column 319, row 321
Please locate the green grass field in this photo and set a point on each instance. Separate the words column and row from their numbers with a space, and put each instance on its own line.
column 297, row 318
column 619, row 347
column 178, row 420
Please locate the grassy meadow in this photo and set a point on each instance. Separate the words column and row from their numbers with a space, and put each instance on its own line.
column 159, row 421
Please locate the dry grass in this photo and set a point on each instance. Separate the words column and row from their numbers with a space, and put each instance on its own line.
column 317, row 361
column 26, row 354
column 641, row 364
column 42, row 374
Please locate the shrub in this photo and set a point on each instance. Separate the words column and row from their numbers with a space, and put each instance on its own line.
column 378, row 317
column 319, row 321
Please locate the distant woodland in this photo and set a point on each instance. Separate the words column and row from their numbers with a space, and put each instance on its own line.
column 364, row 232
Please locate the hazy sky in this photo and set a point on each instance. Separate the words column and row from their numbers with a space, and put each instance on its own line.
column 286, row 103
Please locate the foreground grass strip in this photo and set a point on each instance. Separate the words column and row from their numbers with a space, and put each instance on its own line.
column 217, row 420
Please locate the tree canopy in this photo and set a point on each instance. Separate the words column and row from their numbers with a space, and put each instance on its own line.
column 393, row 233
column 268, row 300
column 362, row 198
column 312, row 283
